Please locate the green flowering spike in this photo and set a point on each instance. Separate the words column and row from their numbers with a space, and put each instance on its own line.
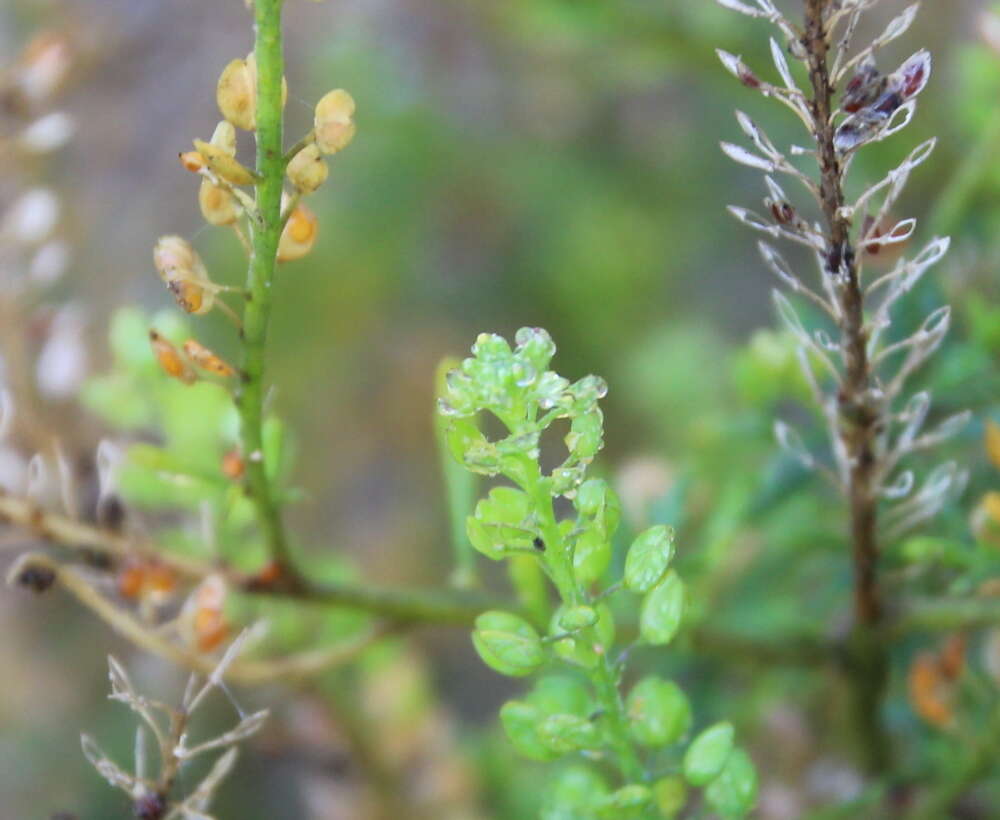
column 662, row 610
column 628, row 801
column 574, row 794
column 566, row 733
column 669, row 796
column 733, row 793
column 507, row 643
column 708, row 753
column 520, row 721
column 659, row 712
column 648, row 558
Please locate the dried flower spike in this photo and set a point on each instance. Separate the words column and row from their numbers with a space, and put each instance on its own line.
column 299, row 234
column 334, row 121
column 308, row 170
column 170, row 359
column 207, row 360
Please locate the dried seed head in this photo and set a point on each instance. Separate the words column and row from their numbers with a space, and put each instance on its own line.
column 236, row 93
column 299, row 235
column 308, row 170
column 334, row 121
column 207, row 360
column 218, row 206
column 170, row 360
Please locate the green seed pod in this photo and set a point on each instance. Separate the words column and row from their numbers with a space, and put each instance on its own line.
column 662, row 610
column 586, row 435
column 564, row 734
column 500, row 523
column 507, row 643
column 734, row 791
column 520, row 721
column 308, row 170
column 591, row 555
column 628, row 801
column 708, row 753
column 574, row 794
column 333, row 121
column 659, row 712
column 585, row 648
column 648, row 558
column 578, row 617
column 669, row 795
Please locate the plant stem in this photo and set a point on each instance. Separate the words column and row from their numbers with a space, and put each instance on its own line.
column 260, row 276
column 858, row 414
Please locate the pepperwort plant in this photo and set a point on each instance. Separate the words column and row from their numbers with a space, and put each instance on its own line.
column 856, row 361
column 577, row 708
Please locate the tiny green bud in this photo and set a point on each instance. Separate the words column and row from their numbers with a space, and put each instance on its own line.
column 733, row 792
column 628, row 801
column 659, row 712
column 648, row 558
column 669, row 795
column 535, row 346
column 307, row 169
column 662, row 610
column 578, row 617
column 708, row 753
column 508, row 643
column 563, row 734
column 585, row 648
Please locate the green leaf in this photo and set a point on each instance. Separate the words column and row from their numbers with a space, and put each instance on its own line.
column 507, row 643
column 566, row 733
column 659, row 712
column 628, row 801
column 708, row 753
column 648, row 557
column 733, row 793
column 662, row 610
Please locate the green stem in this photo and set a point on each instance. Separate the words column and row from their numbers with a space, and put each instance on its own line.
column 257, row 313
column 606, row 684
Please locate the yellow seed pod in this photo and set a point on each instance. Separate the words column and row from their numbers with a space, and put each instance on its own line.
column 175, row 258
column 207, row 360
column 217, row 205
column 191, row 161
column 236, row 93
column 191, row 296
column 299, row 235
column 224, row 165
column 307, row 170
column 334, row 121
column 224, row 137
column 170, row 359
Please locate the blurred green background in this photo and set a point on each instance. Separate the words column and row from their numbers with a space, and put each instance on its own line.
column 533, row 162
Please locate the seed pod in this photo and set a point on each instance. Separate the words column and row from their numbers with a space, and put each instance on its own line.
column 334, row 121
column 170, row 359
column 192, row 297
column 307, row 170
column 299, row 234
column 207, row 360
column 216, row 203
column 224, row 165
column 192, row 161
column 236, row 93
column 233, row 465
column 224, row 137
column 180, row 267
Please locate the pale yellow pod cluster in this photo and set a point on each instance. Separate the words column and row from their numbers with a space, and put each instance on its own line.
column 236, row 93
column 333, row 121
column 299, row 234
column 308, row 170
column 180, row 267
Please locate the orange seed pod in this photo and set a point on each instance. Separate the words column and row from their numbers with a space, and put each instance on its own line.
column 217, row 205
column 223, row 165
column 308, row 170
column 299, row 234
column 929, row 694
column 170, row 359
column 233, row 465
column 192, row 161
column 207, row 360
column 333, row 121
